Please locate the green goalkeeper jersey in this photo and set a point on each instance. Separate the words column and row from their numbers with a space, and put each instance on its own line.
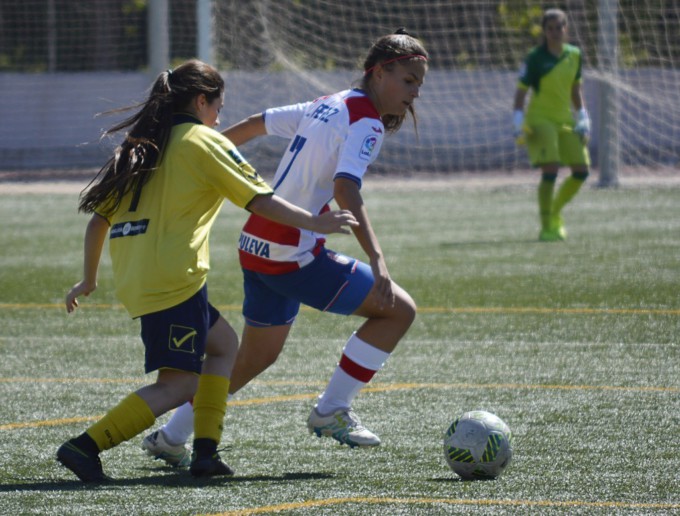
column 551, row 78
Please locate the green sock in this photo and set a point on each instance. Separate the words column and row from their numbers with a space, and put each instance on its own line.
column 545, row 199
column 566, row 193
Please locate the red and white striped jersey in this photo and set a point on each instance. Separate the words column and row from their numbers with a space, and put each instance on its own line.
column 335, row 136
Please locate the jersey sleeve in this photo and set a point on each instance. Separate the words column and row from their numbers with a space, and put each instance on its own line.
column 284, row 121
column 229, row 173
column 529, row 76
column 360, row 149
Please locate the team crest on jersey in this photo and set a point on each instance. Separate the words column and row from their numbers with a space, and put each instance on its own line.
column 367, row 147
column 244, row 167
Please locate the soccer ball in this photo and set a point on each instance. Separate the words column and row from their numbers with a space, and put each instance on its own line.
column 478, row 445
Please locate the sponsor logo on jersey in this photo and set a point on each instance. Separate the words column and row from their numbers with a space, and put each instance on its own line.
column 131, row 228
column 367, row 147
column 377, row 129
column 182, row 338
column 236, row 156
column 248, row 244
column 323, row 112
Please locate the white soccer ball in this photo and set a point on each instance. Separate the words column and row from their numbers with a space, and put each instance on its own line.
column 478, row 445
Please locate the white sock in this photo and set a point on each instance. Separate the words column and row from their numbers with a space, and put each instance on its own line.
column 180, row 426
column 359, row 362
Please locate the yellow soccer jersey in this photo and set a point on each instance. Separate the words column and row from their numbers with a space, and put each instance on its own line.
column 159, row 248
column 551, row 78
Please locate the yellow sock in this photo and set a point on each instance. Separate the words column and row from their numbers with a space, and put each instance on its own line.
column 210, row 406
column 127, row 419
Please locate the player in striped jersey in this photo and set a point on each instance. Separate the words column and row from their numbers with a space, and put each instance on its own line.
column 553, row 72
column 332, row 142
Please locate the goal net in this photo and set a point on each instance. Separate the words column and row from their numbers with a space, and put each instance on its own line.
column 61, row 62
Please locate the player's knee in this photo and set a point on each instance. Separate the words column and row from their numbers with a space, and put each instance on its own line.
column 222, row 340
column 549, row 177
column 407, row 308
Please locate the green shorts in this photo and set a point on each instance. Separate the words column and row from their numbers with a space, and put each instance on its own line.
column 548, row 142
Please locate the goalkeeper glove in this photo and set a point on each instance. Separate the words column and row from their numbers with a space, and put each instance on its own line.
column 520, row 130
column 582, row 127
column 518, row 123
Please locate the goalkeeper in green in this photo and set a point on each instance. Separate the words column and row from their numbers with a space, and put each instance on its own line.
column 553, row 135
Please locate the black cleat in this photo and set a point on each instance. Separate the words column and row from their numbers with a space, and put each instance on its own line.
column 209, row 466
column 86, row 467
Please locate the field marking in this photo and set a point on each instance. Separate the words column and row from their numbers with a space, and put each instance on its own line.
column 421, row 310
column 311, row 396
column 449, row 501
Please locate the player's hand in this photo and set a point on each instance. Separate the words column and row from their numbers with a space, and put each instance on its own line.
column 582, row 127
column 339, row 221
column 82, row 288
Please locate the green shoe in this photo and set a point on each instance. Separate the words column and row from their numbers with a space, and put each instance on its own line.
column 548, row 235
column 557, row 226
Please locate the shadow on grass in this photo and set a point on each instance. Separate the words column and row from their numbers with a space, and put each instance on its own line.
column 472, row 243
column 183, row 479
column 455, row 479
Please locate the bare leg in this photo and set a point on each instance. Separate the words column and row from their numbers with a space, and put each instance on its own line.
column 385, row 327
column 260, row 347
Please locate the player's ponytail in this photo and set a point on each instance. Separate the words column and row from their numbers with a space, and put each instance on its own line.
column 136, row 158
column 387, row 51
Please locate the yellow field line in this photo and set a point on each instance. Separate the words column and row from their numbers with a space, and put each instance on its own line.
column 448, row 501
column 309, row 396
column 423, row 310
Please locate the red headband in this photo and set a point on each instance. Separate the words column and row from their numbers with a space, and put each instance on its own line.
column 408, row 56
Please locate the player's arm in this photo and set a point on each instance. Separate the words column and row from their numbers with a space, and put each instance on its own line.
column 245, row 130
column 520, row 96
column 582, row 126
column 518, row 110
column 577, row 96
column 279, row 210
column 348, row 197
column 95, row 236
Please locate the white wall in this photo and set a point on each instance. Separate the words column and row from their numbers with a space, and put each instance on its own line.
column 48, row 120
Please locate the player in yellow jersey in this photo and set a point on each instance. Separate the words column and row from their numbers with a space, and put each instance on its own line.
column 553, row 137
column 157, row 199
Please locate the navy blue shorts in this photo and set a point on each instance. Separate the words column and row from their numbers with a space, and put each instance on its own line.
column 331, row 283
column 175, row 338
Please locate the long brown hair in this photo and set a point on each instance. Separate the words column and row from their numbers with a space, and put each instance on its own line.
column 389, row 49
column 135, row 160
